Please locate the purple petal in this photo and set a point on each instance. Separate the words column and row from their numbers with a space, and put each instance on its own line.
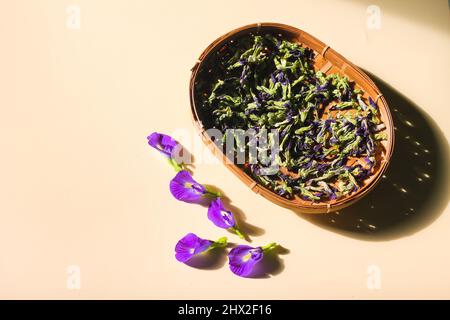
column 373, row 104
column 184, row 188
column 219, row 215
column 243, row 258
column 189, row 246
column 162, row 142
column 272, row 77
column 322, row 87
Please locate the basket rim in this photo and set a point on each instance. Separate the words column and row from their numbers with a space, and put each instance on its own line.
column 323, row 49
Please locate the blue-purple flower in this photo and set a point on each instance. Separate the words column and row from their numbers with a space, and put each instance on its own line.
column 184, row 188
column 222, row 217
column 167, row 146
column 243, row 258
column 163, row 143
column 191, row 245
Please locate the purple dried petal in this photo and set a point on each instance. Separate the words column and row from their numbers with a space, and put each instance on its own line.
column 373, row 104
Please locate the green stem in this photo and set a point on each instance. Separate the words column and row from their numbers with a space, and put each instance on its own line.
column 239, row 233
column 269, row 247
column 220, row 243
column 175, row 165
column 212, row 194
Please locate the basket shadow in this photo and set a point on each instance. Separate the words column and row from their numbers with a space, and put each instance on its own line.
column 415, row 188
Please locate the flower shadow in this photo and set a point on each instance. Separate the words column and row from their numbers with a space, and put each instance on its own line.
column 247, row 228
column 270, row 265
column 183, row 155
column 415, row 189
column 211, row 260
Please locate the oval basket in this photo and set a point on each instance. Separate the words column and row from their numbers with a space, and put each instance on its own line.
column 328, row 61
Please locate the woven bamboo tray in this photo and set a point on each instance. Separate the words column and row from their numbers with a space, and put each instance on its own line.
column 328, row 61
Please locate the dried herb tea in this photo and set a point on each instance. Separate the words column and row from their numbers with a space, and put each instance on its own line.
column 329, row 134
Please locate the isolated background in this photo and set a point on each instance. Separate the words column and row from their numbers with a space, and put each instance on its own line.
column 80, row 190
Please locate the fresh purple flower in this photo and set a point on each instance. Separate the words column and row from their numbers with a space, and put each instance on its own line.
column 166, row 145
column 243, row 258
column 184, row 188
column 163, row 143
column 219, row 215
column 223, row 218
column 191, row 245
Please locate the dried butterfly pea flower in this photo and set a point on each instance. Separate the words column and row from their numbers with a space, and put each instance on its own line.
column 276, row 87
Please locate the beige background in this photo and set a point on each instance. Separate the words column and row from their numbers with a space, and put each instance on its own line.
column 79, row 185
